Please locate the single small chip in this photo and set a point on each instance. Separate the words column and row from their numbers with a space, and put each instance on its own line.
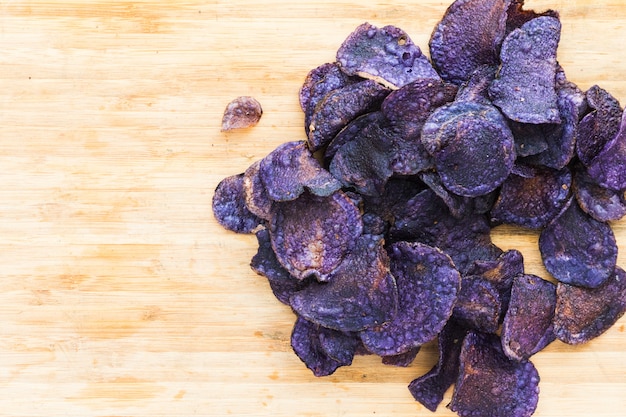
column 360, row 292
column 430, row 388
column 583, row 314
column 478, row 305
column 340, row 107
column 490, row 384
column 527, row 326
column 472, row 146
column 532, row 202
column 601, row 203
column 577, row 249
column 403, row 359
column 229, row 206
column 386, row 55
column 312, row 234
column 257, row 199
column 608, row 167
column 525, row 88
column 469, row 35
column 305, row 341
column 290, row 169
column 241, row 113
column 428, row 284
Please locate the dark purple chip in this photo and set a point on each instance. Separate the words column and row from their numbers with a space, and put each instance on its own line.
column 229, row 206
column 599, row 126
column 583, row 314
column 428, row 284
column 264, row 263
column 476, row 88
column 311, row 235
column 305, row 341
column 599, row 202
column 397, row 192
column 527, row 327
column 290, row 169
column 517, row 15
column 532, row 202
column 241, row 113
column 472, row 146
column 257, row 199
column 577, row 249
column 340, row 107
column 360, row 292
column 403, row 359
column 373, row 224
column 430, row 388
column 530, row 138
column 386, row 55
column 340, row 346
column 490, row 384
column 478, row 306
column 525, row 89
column 468, row 35
column 609, row 167
column 351, row 132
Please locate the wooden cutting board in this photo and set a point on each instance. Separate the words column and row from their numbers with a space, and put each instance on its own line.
column 120, row 294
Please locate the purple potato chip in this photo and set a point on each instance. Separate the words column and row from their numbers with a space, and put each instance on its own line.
column 609, row 167
column 397, row 192
column 599, row 126
column 577, row 249
column 365, row 163
column 468, row 36
column 386, row 55
column 430, row 388
column 264, row 263
column 525, row 89
column 373, row 224
column 599, row 202
column 360, row 292
column 476, row 88
column 340, row 346
column 478, row 305
column 290, row 169
column 229, row 206
column 351, row 132
column 340, row 107
column 583, row 314
column 428, row 284
column 306, row 344
column 490, row 384
column 527, row 327
column 403, row 359
column 472, row 145
column 311, row 235
column 257, row 199
column 517, row 16
column 530, row 138
column 241, row 113
column 532, row 202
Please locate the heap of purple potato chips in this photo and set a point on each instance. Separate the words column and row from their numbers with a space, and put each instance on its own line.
column 376, row 229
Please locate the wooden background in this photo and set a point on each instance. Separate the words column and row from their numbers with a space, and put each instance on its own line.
column 120, row 295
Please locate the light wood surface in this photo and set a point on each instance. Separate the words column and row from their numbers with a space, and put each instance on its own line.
column 120, row 295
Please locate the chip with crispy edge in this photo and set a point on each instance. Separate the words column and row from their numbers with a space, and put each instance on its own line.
column 468, row 36
column 360, row 292
column 242, row 112
column 490, row 384
column 403, row 359
column 577, row 249
column 527, row 327
column 601, row 203
column 256, row 197
column 428, row 284
column 583, row 314
column 311, row 235
column 525, row 88
column 609, row 167
column 386, row 55
column 229, row 206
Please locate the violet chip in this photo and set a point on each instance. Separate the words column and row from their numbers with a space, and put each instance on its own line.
column 229, row 206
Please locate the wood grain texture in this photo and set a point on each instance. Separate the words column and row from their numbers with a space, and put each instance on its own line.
column 120, row 294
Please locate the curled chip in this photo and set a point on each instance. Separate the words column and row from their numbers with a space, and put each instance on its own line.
column 360, row 292
column 240, row 113
column 257, row 199
column 490, row 384
column 290, row 169
column 427, row 284
column 340, row 107
column 229, row 206
column 472, row 145
column 600, row 203
column 608, row 167
column 468, row 35
column 478, row 305
column 312, row 234
column 403, row 359
column 386, row 55
column 532, row 201
column 583, row 314
column 525, row 89
column 577, row 249
column 351, row 132
column 527, row 326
